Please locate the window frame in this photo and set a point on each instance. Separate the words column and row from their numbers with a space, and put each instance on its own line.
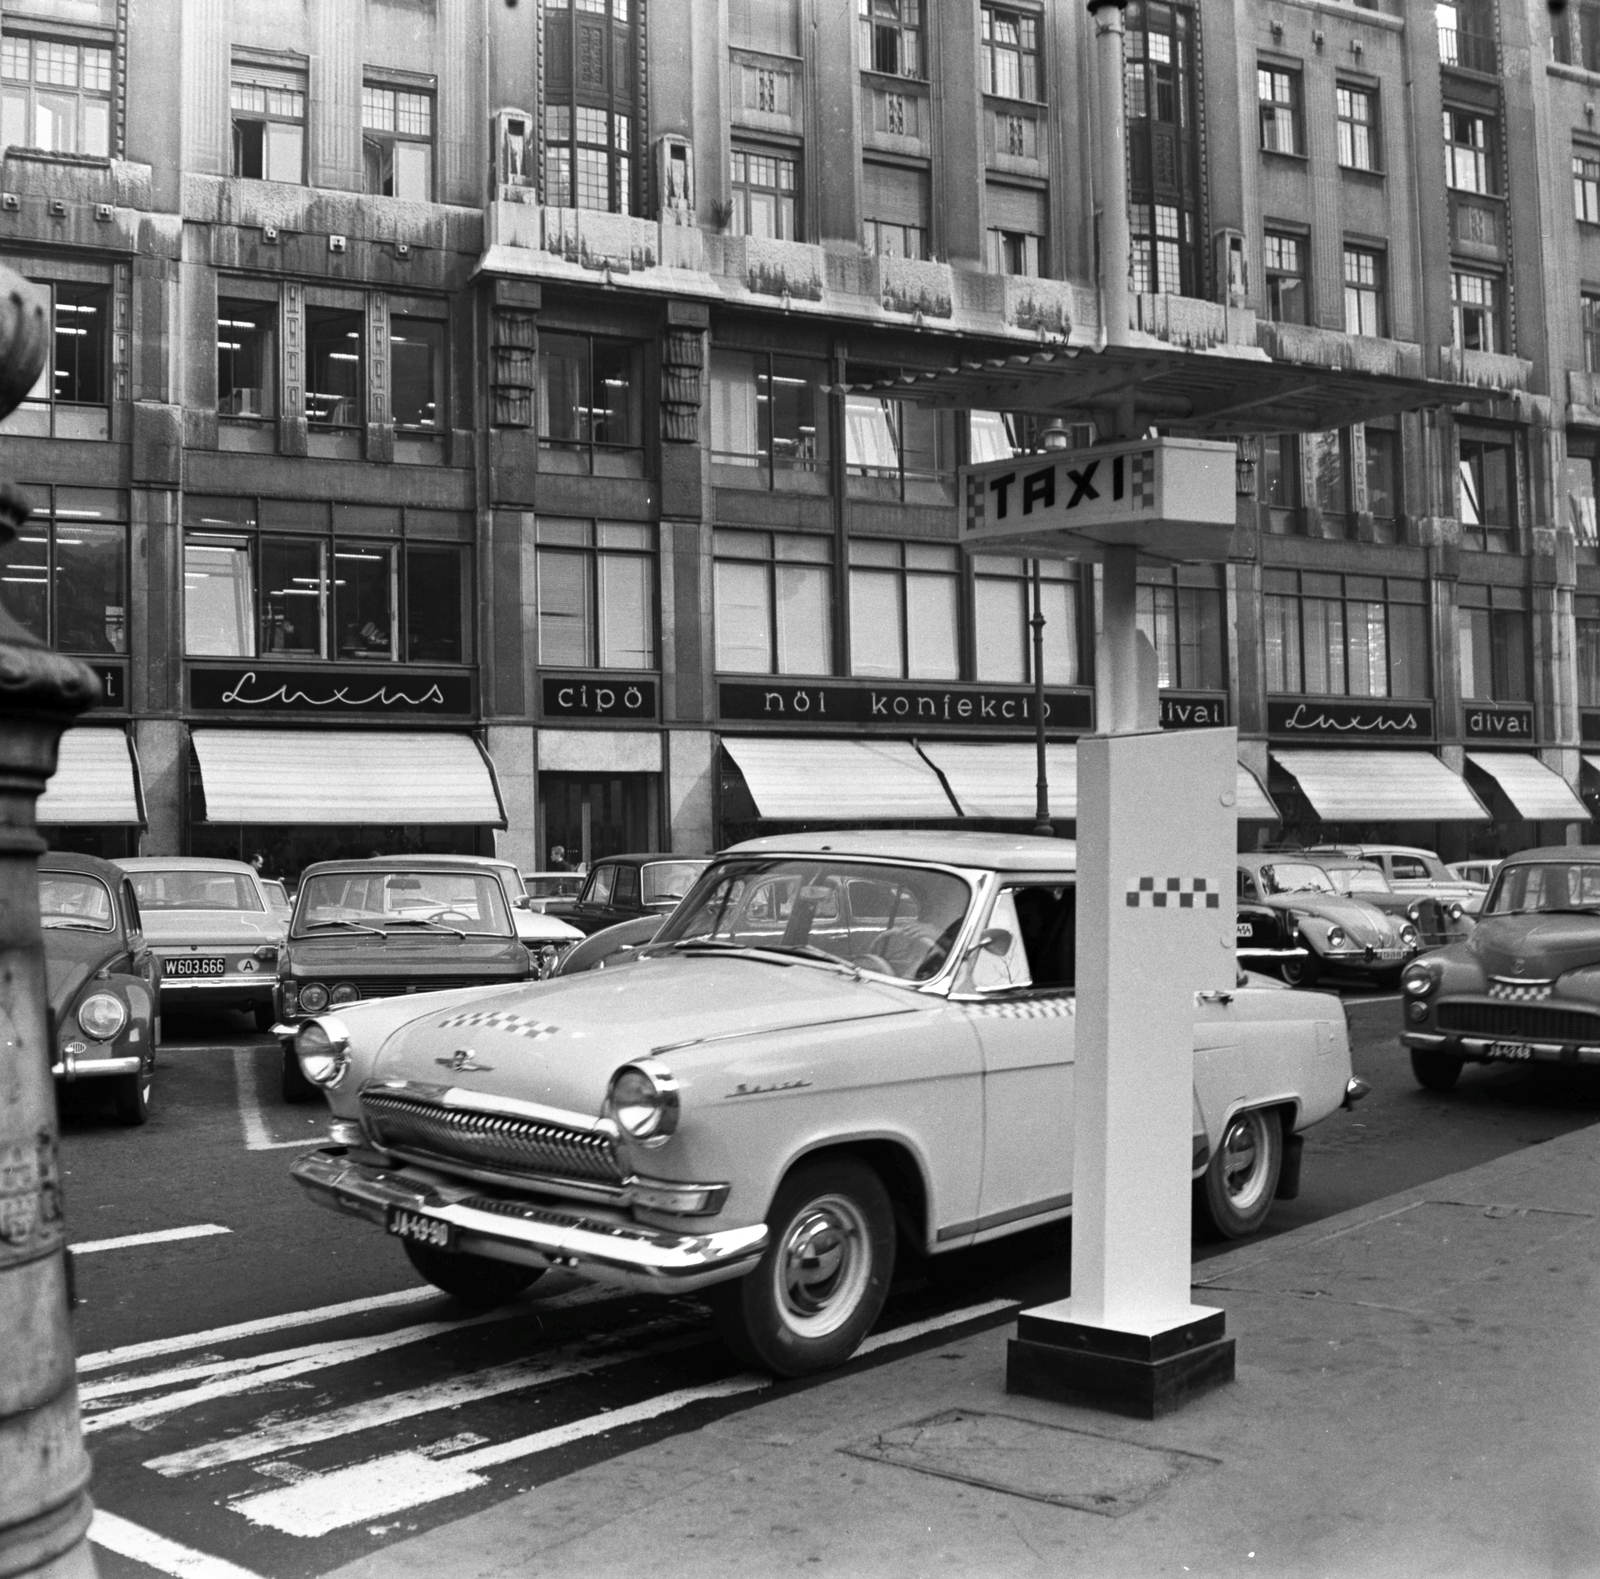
column 1589, row 328
column 1586, row 183
column 1285, row 586
column 40, row 412
column 820, row 567
column 995, row 570
column 1029, row 57
column 1353, row 130
column 1481, row 158
column 387, row 140
column 619, row 104
column 1178, row 581
column 43, row 529
column 1360, row 294
column 906, row 575
column 787, row 204
column 1275, row 112
column 1490, row 313
column 897, row 19
column 1489, row 536
column 267, row 310
column 1507, row 622
column 267, row 117
column 599, row 457
column 595, row 555
column 817, row 465
column 29, row 87
column 1272, row 273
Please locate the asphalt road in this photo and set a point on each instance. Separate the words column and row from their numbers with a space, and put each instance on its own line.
column 317, row 1434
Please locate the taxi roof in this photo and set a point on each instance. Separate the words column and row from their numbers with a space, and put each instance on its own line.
column 1004, row 852
column 1552, row 852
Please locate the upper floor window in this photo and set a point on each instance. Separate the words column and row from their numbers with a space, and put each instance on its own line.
column 1002, row 605
column 1331, row 635
column 1468, row 151
column 66, row 580
column 1380, row 466
column 1358, row 127
column 767, row 412
column 1157, row 247
column 1364, row 309
column 588, row 161
column 397, row 142
column 895, row 209
column 591, row 104
column 1587, row 611
column 895, row 450
column 773, row 598
column 891, row 37
column 597, row 594
column 246, row 358
column 1589, row 327
column 71, row 398
column 1575, row 33
column 771, row 26
column 417, row 374
column 905, row 601
column 1278, row 93
column 1475, row 301
column 1010, row 53
column 764, row 188
column 269, row 122
column 55, row 95
column 1586, row 184
column 1018, row 223
column 590, row 393
column 1181, row 613
column 1492, row 643
column 1284, row 270
column 335, row 367
column 1487, row 474
column 1467, row 34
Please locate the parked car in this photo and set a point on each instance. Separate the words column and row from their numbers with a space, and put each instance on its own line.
column 103, row 980
column 1340, row 934
column 1525, row 987
column 277, row 897
column 1267, row 935
column 553, row 893
column 834, row 1038
column 1479, row 873
column 213, row 929
column 622, row 887
column 392, row 927
column 1438, row 921
column 1411, row 870
column 614, row 945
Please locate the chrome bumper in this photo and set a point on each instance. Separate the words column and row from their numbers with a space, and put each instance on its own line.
column 1271, row 953
column 1480, row 1049
column 68, row 1067
column 607, row 1246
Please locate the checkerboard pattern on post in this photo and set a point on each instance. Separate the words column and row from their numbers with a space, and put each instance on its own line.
column 1142, row 479
column 497, row 1020
column 1172, row 893
column 977, row 501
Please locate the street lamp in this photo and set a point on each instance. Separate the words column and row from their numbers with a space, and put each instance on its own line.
column 1054, row 437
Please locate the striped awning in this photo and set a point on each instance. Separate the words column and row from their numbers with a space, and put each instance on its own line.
column 1254, row 804
column 837, row 780
column 1381, row 786
column 1537, row 792
column 96, row 781
column 999, row 778
column 345, row 776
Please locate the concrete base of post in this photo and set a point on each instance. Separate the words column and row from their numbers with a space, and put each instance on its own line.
column 1142, row 1374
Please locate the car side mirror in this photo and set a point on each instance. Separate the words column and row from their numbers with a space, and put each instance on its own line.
column 995, row 940
column 522, row 902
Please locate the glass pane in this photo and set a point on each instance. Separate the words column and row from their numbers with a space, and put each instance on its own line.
column 733, row 408
column 1368, row 649
column 294, row 590
column 743, row 619
column 1200, row 638
column 246, row 359
column 364, row 600
column 621, row 534
column 416, row 355
column 1058, row 601
column 1324, row 647
column 433, row 605
column 80, row 344
column 96, row 138
column 1381, row 493
column 564, row 406
column 876, row 647
column 1158, row 622
column 334, row 377
column 1001, row 635
column 1327, row 472
column 871, row 445
column 933, row 623
column 565, row 598
column 14, row 117
column 1408, row 650
column 25, row 579
column 627, row 612
column 55, row 117
column 1476, row 654
column 284, row 153
column 1282, row 625
column 805, row 620
column 791, row 415
column 616, row 394
column 91, row 587
column 1510, row 632
column 413, row 172
column 218, row 598
column 988, row 438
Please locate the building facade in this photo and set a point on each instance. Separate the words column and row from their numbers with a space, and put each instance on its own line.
column 469, row 423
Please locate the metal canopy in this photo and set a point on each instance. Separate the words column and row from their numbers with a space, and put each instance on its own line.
column 96, row 781
column 1223, row 393
column 1381, row 786
column 1538, row 793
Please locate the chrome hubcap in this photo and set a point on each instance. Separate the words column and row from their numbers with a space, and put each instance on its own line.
column 823, row 1267
column 1244, row 1160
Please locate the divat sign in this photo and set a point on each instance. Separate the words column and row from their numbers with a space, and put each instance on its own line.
column 1193, row 712
column 926, row 706
column 1498, row 723
column 599, row 699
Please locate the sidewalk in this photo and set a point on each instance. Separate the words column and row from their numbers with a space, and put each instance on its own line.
column 1418, row 1393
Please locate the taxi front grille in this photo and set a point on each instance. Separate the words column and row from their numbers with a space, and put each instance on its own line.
column 489, row 1140
column 1529, row 1022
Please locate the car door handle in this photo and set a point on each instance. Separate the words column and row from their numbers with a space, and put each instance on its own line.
column 1213, row 995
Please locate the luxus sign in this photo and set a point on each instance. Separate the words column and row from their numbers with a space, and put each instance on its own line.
column 1170, row 497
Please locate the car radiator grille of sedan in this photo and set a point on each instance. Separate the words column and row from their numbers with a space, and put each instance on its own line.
column 395, row 986
column 1524, row 1021
column 490, row 1140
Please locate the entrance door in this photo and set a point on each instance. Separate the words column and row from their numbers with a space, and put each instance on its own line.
column 590, row 816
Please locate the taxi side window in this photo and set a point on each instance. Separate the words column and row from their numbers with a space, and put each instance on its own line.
column 992, row 972
column 599, row 889
column 1047, row 918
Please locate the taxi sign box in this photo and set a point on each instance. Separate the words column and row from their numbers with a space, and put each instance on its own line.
column 1170, row 498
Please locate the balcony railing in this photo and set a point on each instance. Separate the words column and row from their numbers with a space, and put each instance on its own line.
column 1469, row 50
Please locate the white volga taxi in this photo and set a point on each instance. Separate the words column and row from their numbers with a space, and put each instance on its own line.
column 836, row 1041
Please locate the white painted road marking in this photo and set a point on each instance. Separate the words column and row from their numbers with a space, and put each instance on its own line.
column 156, row 1551
column 916, row 1329
column 257, row 1137
column 132, row 1353
column 161, row 1236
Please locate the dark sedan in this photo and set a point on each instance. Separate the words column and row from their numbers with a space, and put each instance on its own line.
column 624, row 887
column 103, row 980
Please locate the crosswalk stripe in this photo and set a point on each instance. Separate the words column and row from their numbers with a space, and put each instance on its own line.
column 156, row 1551
column 161, row 1236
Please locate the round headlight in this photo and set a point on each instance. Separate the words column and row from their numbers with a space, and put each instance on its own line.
column 644, row 1101
column 546, row 959
column 313, row 997
column 1418, row 982
column 323, row 1048
column 1335, row 937
column 1456, row 912
column 1414, row 911
column 102, row 1016
column 345, row 993
column 1408, row 935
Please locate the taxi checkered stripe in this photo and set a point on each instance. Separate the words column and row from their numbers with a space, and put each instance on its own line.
column 1520, row 992
column 1172, row 893
column 1031, row 1009
column 498, row 1020
column 1142, row 479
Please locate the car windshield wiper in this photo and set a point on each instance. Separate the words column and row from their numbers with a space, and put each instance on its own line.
column 756, row 950
column 424, row 921
column 77, row 926
column 354, row 926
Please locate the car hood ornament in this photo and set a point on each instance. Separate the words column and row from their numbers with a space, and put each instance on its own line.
column 462, row 1062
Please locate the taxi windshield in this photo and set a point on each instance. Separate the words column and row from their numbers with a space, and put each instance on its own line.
column 372, row 901
column 1296, row 877
column 899, row 921
column 1545, row 885
column 72, row 899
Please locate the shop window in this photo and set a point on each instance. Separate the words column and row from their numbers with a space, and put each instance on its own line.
column 589, row 405
column 1284, row 267
column 1278, row 96
column 773, row 603
column 591, row 109
column 269, row 122
column 1181, row 613
column 1279, row 486
column 1330, row 635
column 1364, row 308
column 66, row 580
column 1588, row 628
column 335, row 363
column 55, row 95
column 771, row 26
column 1492, row 643
column 1586, row 184
column 1357, row 110
column 1002, row 605
column 764, row 187
column 1009, row 53
column 1487, row 473
column 896, row 450
column 417, row 375
column 597, row 595
column 71, row 398
column 1469, row 152
column 247, row 358
column 895, row 201
column 436, row 624
column 397, row 142
column 768, row 415
column 891, row 37
column 905, row 601
column 1475, row 304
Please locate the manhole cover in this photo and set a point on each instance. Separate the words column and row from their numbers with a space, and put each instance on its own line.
column 1074, row 1469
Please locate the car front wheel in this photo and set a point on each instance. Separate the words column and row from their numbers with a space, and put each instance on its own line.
column 1305, row 972
column 1233, row 1196
column 131, row 1095
column 1436, row 1071
column 474, row 1280
column 821, row 1284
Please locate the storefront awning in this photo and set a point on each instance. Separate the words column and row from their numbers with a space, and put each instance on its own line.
column 345, row 777
column 837, row 780
column 1254, row 804
column 1539, row 794
column 96, row 781
column 999, row 778
column 1381, row 786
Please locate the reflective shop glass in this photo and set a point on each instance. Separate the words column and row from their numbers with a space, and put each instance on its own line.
column 334, row 357
column 365, row 595
column 417, row 364
column 247, row 358
column 765, row 412
column 905, row 601
column 65, row 579
column 436, row 620
column 1002, row 607
column 773, row 603
column 218, row 596
column 596, row 594
column 294, row 591
column 1329, row 635
column 1184, row 625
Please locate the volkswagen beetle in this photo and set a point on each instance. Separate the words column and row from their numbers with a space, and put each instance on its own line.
column 836, row 1040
